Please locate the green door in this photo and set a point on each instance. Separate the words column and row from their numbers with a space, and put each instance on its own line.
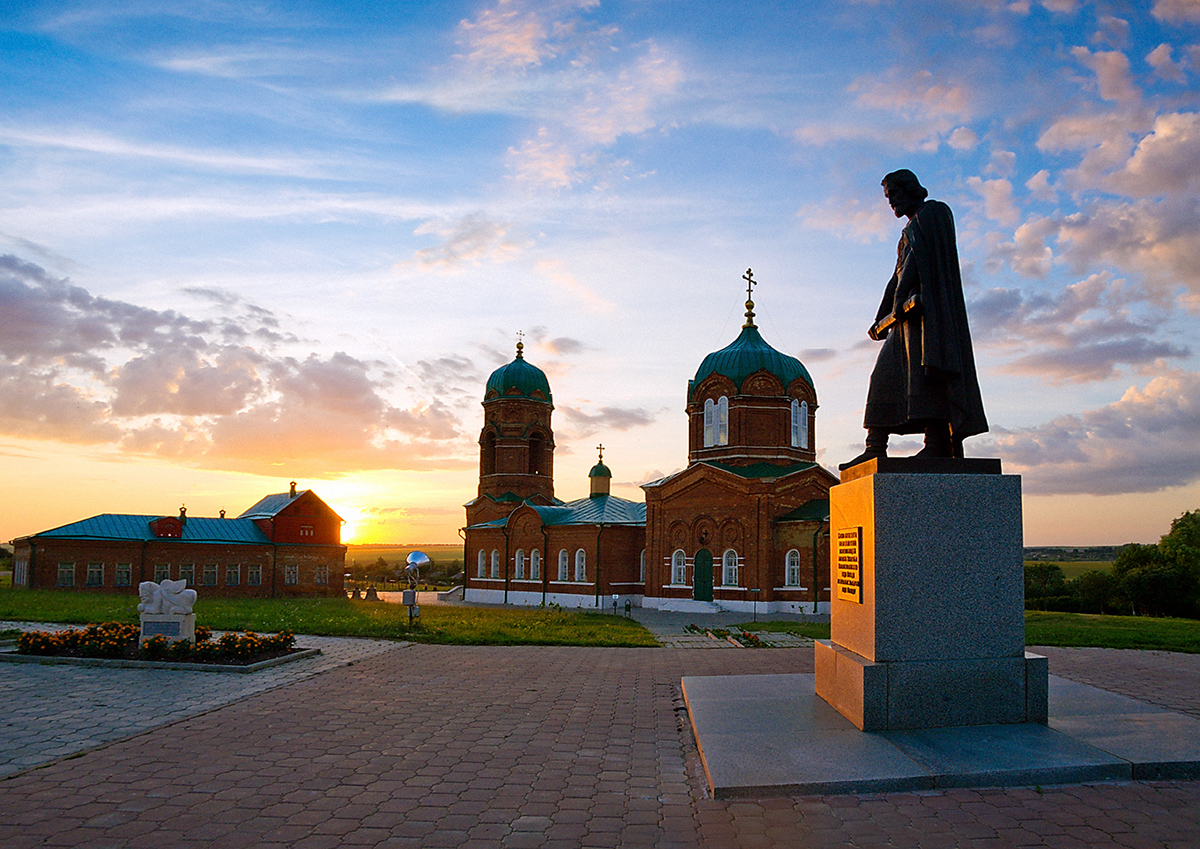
column 702, row 575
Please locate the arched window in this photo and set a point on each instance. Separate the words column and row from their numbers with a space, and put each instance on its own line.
column 535, row 565
column 519, row 560
column 722, row 421
column 709, row 422
column 729, row 570
column 564, row 565
column 487, row 454
column 679, row 567
column 791, row 577
column 803, row 424
column 642, row 566
column 495, row 563
column 481, row 567
column 795, row 423
column 537, row 446
column 580, row 565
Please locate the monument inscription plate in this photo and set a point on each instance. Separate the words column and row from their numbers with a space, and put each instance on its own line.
column 161, row 629
column 849, row 564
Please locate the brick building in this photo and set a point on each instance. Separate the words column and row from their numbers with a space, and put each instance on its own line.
column 287, row 544
column 744, row 524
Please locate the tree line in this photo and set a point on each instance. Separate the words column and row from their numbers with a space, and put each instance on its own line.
column 1146, row 580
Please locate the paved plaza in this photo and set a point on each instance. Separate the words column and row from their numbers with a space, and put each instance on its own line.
column 397, row 745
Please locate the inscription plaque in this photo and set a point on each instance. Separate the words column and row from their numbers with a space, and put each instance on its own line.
column 849, row 565
column 160, row 629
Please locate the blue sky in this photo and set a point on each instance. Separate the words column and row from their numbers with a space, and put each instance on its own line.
column 246, row 242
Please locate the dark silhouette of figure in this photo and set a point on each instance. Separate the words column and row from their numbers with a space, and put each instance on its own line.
column 924, row 379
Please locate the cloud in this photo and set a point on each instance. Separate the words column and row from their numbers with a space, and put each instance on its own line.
column 556, row 271
column 1160, row 60
column 817, row 355
column 606, row 418
column 82, row 369
column 1111, row 68
column 848, row 217
column 471, row 240
column 1177, row 11
column 1085, row 332
column 1145, row 442
column 997, row 199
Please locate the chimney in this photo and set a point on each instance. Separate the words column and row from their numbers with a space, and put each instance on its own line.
column 293, row 490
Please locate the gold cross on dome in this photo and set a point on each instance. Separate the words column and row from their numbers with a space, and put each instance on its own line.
column 750, row 284
column 520, row 342
column 600, row 448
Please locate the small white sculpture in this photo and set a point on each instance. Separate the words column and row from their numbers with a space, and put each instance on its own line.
column 167, row 597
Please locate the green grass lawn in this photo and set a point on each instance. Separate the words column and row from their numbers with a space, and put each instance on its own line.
column 339, row 617
column 1115, row 632
column 1064, row 629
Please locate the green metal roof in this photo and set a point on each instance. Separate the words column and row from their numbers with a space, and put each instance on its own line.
column 120, row 526
column 519, row 379
column 594, row 510
column 816, row 510
column 746, row 355
column 760, row 470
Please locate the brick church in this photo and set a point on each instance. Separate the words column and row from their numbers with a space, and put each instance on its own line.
column 745, row 523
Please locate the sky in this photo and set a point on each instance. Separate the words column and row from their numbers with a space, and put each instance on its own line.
column 243, row 243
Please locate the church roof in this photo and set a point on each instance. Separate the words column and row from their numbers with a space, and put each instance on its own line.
column 746, row 355
column 816, row 510
column 518, row 379
column 594, row 510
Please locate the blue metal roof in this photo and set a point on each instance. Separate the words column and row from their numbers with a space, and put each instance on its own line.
column 121, row 526
column 268, row 507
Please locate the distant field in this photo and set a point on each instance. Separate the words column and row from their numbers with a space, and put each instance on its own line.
column 1076, row 568
column 365, row 554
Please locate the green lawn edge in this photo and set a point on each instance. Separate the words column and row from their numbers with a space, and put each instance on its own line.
column 341, row 617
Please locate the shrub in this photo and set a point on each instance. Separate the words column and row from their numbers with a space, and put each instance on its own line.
column 180, row 650
column 155, row 648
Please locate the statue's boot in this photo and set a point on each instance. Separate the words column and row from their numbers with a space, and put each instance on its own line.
column 877, row 442
column 938, row 442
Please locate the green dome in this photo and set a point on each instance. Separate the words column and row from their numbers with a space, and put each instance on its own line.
column 746, row 355
column 518, row 379
column 599, row 471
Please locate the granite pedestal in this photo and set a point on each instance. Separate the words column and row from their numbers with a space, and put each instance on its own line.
column 927, row 620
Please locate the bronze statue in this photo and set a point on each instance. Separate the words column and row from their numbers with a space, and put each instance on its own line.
column 924, row 379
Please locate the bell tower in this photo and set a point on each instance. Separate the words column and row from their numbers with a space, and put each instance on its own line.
column 516, row 444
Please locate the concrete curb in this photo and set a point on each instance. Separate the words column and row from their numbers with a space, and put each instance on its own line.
column 116, row 663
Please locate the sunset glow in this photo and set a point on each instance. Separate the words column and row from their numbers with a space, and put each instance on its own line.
column 246, row 244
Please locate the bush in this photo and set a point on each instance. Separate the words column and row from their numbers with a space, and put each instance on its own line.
column 155, row 648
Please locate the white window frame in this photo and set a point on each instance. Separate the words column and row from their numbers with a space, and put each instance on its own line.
column 66, row 578
column 233, row 574
column 209, row 575
column 481, row 568
column 709, row 422
column 254, row 575
column 642, row 566
column 729, row 568
column 125, row 571
column 188, row 573
column 722, row 435
column 519, row 565
column 791, row 574
column 291, row 575
column 322, row 574
column 97, row 570
column 495, row 563
column 162, row 572
column 564, row 565
column 535, row 565
column 679, row 567
column 580, row 566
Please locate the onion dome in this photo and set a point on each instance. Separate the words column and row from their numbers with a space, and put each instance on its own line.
column 518, row 379
column 600, row 471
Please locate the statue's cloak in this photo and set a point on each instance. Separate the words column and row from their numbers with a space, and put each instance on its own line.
column 926, row 368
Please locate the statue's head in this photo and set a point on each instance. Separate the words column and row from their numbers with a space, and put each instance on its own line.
column 904, row 192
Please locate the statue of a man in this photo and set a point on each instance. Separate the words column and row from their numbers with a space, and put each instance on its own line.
column 924, row 379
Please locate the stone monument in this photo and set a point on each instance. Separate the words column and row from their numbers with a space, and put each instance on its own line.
column 166, row 611
column 927, row 615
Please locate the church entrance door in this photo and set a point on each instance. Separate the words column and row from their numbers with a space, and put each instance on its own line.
column 702, row 577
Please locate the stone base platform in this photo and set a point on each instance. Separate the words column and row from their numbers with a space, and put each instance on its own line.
column 771, row 734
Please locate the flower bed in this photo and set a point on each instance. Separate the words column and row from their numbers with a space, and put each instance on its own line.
column 117, row 641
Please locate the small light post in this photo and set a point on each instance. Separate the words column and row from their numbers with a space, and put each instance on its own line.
column 615, row 600
column 755, row 593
